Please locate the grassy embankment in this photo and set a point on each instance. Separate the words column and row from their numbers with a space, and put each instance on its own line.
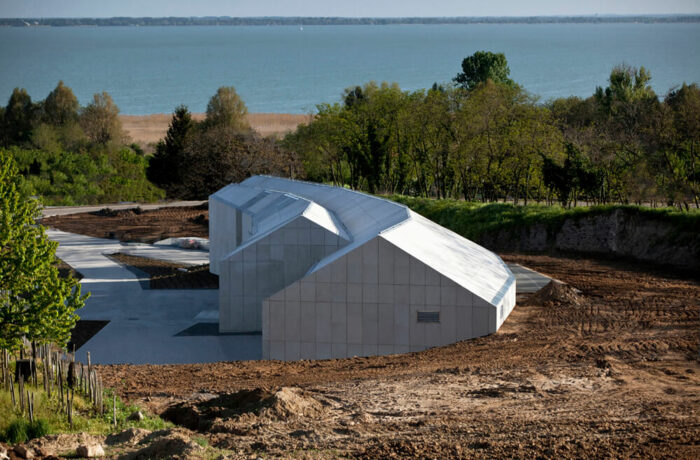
column 473, row 220
column 50, row 417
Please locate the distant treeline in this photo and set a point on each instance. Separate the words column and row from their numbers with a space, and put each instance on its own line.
column 487, row 139
column 68, row 154
column 71, row 155
column 322, row 21
column 482, row 137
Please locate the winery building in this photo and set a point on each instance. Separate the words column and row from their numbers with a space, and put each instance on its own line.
column 327, row 272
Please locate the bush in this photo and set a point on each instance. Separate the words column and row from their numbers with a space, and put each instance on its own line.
column 16, row 432
column 20, row 430
column 98, row 176
column 40, row 427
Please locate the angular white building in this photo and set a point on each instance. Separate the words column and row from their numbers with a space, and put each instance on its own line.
column 326, row 272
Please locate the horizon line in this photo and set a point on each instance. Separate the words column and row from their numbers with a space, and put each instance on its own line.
column 588, row 15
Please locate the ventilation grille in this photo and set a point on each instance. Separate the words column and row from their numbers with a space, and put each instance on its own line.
column 428, row 316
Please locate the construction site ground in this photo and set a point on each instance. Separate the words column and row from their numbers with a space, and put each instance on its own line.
column 606, row 366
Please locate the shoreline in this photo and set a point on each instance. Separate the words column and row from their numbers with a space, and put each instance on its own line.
column 149, row 129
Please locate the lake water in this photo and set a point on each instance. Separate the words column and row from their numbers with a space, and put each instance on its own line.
column 286, row 69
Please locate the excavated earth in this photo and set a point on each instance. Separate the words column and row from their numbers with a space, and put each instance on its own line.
column 135, row 224
column 605, row 365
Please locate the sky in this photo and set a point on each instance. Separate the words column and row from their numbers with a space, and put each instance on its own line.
column 344, row 8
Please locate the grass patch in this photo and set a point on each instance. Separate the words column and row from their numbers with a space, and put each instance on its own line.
column 473, row 220
column 50, row 418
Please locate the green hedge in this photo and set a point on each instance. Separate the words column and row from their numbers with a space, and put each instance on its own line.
column 472, row 220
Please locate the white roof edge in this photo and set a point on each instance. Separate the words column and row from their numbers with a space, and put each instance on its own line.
column 315, row 184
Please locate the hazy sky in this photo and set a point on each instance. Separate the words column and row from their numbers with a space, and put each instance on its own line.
column 390, row 8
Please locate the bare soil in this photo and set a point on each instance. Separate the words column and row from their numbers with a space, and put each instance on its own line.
column 603, row 366
column 611, row 370
column 136, row 224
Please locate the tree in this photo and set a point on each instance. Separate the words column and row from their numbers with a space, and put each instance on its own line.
column 164, row 168
column 626, row 84
column 18, row 118
column 227, row 109
column 35, row 302
column 575, row 177
column 100, row 120
column 482, row 66
column 61, row 106
column 681, row 142
column 218, row 156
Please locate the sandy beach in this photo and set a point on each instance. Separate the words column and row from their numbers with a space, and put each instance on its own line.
column 147, row 129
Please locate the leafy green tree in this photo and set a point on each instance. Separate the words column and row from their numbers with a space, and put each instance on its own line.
column 19, row 118
column 576, row 177
column 227, row 109
column 46, row 137
column 165, row 167
column 100, row 120
column 60, row 106
column 482, row 66
column 680, row 149
column 35, row 303
column 318, row 146
column 626, row 84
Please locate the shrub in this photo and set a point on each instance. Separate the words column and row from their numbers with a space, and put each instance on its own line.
column 40, row 427
column 20, row 430
column 16, row 432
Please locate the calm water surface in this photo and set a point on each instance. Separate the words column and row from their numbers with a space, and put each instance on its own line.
column 285, row 69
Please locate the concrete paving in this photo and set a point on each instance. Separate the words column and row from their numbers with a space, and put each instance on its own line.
column 143, row 324
column 526, row 280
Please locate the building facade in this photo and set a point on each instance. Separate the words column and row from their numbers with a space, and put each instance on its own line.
column 326, row 272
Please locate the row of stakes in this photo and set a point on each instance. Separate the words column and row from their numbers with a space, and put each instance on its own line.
column 61, row 375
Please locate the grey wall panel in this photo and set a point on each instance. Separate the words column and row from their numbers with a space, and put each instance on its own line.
column 378, row 314
column 266, row 267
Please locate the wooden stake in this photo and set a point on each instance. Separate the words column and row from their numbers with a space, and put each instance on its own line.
column 21, row 393
column 12, row 392
column 30, row 407
column 70, row 409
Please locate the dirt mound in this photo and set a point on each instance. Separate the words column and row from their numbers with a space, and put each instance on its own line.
column 558, row 293
column 172, row 444
column 279, row 404
column 59, row 444
column 201, row 219
column 129, row 436
column 107, row 212
column 292, row 402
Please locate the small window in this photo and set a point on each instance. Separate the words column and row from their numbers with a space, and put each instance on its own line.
column 428, row 316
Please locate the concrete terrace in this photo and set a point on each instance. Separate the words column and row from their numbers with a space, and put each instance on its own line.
column 144, row 323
